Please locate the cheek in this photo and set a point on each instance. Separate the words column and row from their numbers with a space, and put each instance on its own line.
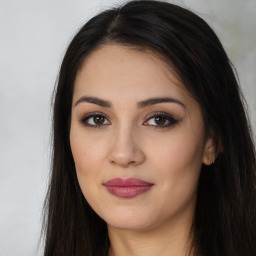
column 178, row 161
column 85, row 149
column 178, row 152
column 179, row 172
column 88, row 159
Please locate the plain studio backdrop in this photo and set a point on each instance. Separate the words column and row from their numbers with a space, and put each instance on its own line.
column 33, row 39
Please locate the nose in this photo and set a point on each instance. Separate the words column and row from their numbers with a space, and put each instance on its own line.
column 126, row 150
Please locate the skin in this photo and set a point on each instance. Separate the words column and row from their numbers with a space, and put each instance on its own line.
column 131, row 142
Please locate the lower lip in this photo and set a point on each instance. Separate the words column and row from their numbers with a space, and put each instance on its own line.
column 128, row 191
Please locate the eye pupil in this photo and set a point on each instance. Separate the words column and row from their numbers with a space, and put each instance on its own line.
column 160, row 120
column 98, row 120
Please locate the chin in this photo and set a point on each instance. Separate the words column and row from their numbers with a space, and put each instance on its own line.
column 126, row 221
column 132, row 225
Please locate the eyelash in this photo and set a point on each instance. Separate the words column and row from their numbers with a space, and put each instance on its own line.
column 167, row 117
column 85, row 119
column 171, row 121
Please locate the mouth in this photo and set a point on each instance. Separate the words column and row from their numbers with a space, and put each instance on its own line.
column 127, row 188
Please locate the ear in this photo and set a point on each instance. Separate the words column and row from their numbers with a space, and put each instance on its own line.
column 209, row 154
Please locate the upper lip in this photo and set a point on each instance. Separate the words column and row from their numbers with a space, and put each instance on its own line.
column 127, row 182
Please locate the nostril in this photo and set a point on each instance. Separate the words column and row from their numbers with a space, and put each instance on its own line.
column 126, row 153
column 123, row 163
column 132, row 163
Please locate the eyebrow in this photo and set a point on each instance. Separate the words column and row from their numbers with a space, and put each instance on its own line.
column 94, row 100
column 141, row 104
column 153, row 101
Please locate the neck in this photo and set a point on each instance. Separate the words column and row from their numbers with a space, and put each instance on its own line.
column 167, row 240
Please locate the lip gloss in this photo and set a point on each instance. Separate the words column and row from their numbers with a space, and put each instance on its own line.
column 127, row 188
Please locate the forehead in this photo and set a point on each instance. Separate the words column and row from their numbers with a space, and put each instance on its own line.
column 128, row 72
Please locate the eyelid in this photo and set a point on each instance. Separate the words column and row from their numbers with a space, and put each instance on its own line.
column 93, row 114
column 169, row 117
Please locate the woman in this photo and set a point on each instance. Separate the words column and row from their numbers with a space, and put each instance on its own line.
column 152, row 152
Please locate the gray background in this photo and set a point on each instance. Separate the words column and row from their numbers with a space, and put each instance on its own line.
column 33, row 38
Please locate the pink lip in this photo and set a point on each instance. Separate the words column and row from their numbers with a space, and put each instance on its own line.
column 127, row 188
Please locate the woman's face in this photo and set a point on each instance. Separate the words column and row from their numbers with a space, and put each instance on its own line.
column 137, row 138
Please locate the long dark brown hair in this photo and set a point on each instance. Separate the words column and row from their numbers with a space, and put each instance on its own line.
column 225, row 216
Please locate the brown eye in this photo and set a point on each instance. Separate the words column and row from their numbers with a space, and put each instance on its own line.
column 98, row 119
column 95, row 120
column 160, row 120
